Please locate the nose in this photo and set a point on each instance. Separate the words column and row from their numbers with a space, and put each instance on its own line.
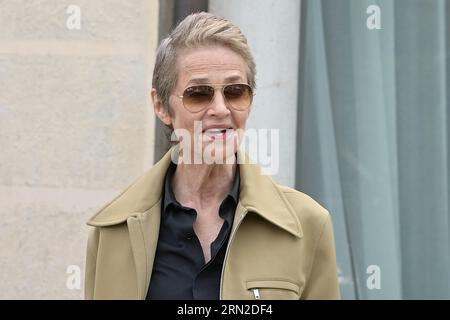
column 218, row 106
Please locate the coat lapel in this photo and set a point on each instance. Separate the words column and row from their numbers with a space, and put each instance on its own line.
column 139, row 254
column 144, row 231
column 150, row 222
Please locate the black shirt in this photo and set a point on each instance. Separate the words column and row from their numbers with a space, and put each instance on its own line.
column 179, row 269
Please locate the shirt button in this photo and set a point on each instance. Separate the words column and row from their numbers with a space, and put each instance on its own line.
column 189, row 236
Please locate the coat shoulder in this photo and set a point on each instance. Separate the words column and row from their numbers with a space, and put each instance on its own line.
column 311, row 214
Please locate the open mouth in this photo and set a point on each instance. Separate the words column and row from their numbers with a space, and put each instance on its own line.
column 217, row 133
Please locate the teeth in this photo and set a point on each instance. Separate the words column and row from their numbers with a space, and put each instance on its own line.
column 216, row 130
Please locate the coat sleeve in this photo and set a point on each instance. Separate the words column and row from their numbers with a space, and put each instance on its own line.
column 323, row 280
column 91, row 262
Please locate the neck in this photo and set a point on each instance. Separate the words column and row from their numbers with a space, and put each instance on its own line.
column 200, row 185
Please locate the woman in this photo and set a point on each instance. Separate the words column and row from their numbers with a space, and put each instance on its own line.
column 204, row 223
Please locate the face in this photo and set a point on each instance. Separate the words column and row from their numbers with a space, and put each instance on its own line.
column 216, row 131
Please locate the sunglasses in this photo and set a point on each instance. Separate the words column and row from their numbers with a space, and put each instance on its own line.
column 238, row 96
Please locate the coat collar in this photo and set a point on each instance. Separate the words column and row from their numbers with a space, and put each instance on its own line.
column 258, row 194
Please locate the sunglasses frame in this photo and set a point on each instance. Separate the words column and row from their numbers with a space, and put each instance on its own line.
column 215, row 87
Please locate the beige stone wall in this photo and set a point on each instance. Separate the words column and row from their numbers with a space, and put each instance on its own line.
column 76, row 127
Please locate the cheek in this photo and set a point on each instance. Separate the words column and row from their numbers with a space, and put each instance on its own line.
column 241, row 118
column 185, row 120
column 180, row 119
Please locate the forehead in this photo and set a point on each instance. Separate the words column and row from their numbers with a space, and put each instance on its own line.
column 211, row 64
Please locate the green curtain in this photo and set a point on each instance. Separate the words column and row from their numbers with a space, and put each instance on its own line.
column 373, row 140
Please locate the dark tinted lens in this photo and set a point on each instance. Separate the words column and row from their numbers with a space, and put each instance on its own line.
column 198, row 97
column 239, row 96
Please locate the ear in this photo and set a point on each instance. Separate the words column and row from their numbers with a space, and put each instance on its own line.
column 159, row 108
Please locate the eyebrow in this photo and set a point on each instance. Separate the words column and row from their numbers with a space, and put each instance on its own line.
column 207, row 81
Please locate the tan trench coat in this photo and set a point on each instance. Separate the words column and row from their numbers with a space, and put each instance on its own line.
column 281, row 244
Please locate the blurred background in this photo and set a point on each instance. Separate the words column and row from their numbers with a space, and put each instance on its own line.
column 359, row 90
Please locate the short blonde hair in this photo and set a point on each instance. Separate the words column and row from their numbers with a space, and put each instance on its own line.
column 197, row 30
